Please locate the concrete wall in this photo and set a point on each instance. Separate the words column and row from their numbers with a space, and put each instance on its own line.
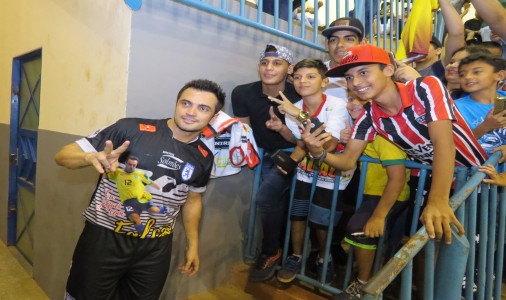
column 100, row 62
column 85, row 47
column 85, row 55
column 171, row 45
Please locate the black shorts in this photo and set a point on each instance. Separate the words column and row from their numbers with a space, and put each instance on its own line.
column 108, row 265
column 396, row 218
column 133, row 205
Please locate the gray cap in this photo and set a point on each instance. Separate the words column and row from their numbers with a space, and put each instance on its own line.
column 273, row 50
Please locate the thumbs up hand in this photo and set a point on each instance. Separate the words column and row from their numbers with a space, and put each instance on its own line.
column 345, row 133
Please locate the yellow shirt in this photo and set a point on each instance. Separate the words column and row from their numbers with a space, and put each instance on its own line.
column 376, row 176
column 130, row 185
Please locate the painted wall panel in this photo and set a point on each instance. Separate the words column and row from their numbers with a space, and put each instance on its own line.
column 84, row 59
column 173, row 44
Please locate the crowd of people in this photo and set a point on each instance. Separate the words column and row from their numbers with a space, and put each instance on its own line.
column 439, row 112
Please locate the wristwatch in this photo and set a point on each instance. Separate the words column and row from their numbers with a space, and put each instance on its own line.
column 303, row 116
column 319, row 159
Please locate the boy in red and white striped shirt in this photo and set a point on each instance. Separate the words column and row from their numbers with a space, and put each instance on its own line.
column 419, row 117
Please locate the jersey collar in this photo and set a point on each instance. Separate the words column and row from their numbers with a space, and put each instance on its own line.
column 317, row 112
column 405, row 99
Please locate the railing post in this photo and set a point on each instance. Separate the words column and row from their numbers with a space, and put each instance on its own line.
column 450, row 267
column 360, row 10
column 249, row 253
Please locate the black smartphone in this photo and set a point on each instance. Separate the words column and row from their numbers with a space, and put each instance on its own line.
column 315, row 124
column 283, row 159
column 499, row 104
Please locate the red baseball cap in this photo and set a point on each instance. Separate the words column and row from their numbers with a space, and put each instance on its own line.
column 363, row 54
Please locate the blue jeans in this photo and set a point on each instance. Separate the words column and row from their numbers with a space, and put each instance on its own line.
column 272, row 201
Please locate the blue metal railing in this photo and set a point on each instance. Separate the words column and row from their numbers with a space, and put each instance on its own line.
column 442, row 280
column 272, row 22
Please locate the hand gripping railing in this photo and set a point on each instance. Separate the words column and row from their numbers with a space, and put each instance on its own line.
column 460, row 246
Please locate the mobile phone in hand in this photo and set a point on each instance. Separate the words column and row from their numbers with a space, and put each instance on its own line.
column 499, row 104
column 283, row 159
column 315, row 124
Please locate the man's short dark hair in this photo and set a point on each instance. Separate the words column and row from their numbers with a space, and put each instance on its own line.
column 492, row 45
column 132, row 157
column 206, row 86
column 472, row 50
column 311, row 63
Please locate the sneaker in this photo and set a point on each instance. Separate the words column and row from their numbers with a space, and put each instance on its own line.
column 330, row 271
column 265, row 267
column 352, row 292
column 289, row 269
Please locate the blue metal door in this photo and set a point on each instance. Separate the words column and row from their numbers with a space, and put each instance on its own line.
column 25, row 109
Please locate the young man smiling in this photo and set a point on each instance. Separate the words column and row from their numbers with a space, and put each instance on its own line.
column 418, row 116
column 112, row 260
column 342, row 34
column 251, row 106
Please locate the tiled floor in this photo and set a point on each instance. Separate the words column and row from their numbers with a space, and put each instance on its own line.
column 240, row 289
column 15, row 282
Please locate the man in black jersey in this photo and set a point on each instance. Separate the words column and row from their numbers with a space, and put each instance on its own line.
column 106, row 263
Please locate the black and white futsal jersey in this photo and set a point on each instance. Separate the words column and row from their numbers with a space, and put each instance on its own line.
column 176, row 167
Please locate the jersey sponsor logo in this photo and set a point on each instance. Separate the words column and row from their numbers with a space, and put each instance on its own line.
column 203, row 151
column 420, row 119
column 421, row 152
column 348, row 57
column 187, row 172
column 147, row 128
column 236, row 156
column 169, row 161
column 221, row 142
column 122, row 227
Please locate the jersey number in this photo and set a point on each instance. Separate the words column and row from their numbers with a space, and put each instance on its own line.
column 128, row 182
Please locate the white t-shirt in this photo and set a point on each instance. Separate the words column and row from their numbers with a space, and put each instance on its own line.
column 334, row 114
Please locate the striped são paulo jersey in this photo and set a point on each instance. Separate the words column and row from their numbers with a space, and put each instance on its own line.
column 424, row 100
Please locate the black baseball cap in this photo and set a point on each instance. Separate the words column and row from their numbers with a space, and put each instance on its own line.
column 350, row 24
column 434, row 41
